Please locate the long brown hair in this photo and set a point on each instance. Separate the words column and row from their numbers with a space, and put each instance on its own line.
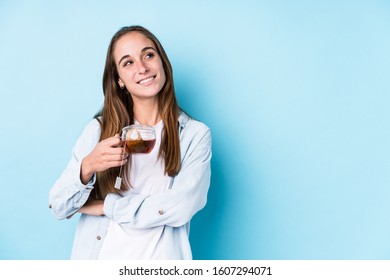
column 117, row 112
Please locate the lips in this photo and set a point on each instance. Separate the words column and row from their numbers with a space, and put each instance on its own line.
column 146, row 80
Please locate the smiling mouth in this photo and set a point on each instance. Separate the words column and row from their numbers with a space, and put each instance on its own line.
column 147, row 80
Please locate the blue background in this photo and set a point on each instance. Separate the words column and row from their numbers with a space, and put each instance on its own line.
column 296, row 94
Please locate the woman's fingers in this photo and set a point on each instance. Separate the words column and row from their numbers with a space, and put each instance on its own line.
column 117, row 151
column 111, row 154
column 117, row 163
column 107, row 153
column 113, row 158
column 113, row 141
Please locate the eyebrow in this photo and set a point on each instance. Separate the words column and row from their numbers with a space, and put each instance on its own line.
column 142, row 51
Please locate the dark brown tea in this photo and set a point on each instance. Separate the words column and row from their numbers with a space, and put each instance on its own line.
column 140, row 146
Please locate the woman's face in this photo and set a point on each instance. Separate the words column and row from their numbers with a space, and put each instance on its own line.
column 139, row 66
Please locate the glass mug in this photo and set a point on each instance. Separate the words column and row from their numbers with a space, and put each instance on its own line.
column 138, row 139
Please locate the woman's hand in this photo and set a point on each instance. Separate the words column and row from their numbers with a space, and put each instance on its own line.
column 92, row 207
column 107, row 153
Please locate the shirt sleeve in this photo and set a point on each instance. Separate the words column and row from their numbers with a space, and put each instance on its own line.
column 68, row 193
column 175, row 206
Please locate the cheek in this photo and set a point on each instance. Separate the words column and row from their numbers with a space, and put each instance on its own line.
column 125, row 76
column 163, row 77
column 162, row 73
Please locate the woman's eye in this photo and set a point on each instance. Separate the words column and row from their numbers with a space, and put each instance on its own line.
column 127, row 63
column 149, row 55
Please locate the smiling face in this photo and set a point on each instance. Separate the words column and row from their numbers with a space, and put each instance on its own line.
column 139, row 66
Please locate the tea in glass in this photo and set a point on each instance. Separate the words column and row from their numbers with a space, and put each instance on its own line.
column 139, row 139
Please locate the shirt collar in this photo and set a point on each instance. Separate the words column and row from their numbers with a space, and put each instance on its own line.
column 183, row 119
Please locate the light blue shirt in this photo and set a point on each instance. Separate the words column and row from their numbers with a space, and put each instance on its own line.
column 172, row 208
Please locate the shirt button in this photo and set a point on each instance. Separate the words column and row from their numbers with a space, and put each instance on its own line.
column 160, row 212
column 98, row 237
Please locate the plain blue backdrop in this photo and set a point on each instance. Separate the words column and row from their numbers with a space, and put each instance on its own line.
column 296, row 94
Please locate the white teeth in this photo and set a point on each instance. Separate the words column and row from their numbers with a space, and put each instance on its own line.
column 146, row 80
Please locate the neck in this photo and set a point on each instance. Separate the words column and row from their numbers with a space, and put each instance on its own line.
column 146, row 112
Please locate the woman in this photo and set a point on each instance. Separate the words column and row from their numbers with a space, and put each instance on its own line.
column 149, row 217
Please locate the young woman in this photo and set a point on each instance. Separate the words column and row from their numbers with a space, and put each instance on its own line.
column 149, row 217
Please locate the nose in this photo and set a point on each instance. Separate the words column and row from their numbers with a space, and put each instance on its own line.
column 142, row 67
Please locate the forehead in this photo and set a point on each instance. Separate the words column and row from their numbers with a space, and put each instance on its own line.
column 131, row 44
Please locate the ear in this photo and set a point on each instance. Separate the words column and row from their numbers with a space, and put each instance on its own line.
column 121, row 84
